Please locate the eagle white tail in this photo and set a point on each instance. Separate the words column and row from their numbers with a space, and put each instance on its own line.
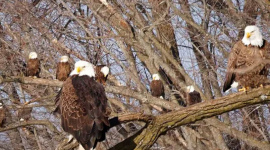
column 233, row 86
column 70, row 137
column 81, row 147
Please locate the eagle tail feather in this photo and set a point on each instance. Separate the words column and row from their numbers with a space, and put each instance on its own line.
column 228, row 81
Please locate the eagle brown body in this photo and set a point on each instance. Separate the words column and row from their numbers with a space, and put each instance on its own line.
column 157, row 88
column 99, row 75
column 193, row 98
column 82, row 103
column 33, row 67
column 63, row 71
column 2, row 116
column 245, row 65
column 24, row 113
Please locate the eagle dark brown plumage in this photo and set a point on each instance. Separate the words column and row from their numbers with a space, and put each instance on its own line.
column 82, row 104
column 24, row 113
column 2, row 115
column 100, row 77
column 243, row 57
column 156, row 86
column 192, row 96
column 63, row 69
column 33, row 65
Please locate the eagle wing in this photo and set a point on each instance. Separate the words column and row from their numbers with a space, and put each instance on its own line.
column 193, row 98
column 83, row 109
column 57, row 70
column 33, row 67
column 68, row 69
column 157, row 88
column 2, row 116
column 62, row 71
column 25, row 113
column 57, row 102
column 99, row 75
column 232, row 60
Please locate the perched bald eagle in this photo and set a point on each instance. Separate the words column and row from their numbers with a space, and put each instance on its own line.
column 192, row 96
column 102, row 72
column 2, row 114
column 157, row 88
column 243, row 68
column 32, row 69
column 82, row 104
column 24, row 114
column 63, row 69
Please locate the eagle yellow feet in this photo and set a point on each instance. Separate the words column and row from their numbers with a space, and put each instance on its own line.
column 244, row 89
column 260, row 86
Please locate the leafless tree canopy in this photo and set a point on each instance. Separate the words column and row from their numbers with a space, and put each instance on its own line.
column 186, row 42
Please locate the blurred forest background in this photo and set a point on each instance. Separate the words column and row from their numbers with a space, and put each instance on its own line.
column 186, row 41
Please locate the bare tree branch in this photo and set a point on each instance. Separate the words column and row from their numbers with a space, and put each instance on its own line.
column 46, row 123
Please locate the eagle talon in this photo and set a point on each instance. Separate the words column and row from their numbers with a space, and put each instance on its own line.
column 244, row 89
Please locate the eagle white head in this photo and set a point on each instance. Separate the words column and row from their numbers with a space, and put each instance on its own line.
column 64, row 59
column 252, row 36
column 1, row 105
column 190, row 89
column 33, row 55
column 105, row 70
column 156, row 77
column 83, row 68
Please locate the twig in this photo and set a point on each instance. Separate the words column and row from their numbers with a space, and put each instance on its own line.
column 255, row 125
column 28, row 123
column 36, row 136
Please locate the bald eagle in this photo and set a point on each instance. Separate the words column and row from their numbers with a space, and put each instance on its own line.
column 32, row 69
column 24, row 114
column 157, row 88
column 63, row 69
column 2, row 114
column 192, row 96
column 242, row 68
column 102, row 72
column 82, row 104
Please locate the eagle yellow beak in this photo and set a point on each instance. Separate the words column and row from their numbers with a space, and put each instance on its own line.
column 78, row 69
column 248, row 35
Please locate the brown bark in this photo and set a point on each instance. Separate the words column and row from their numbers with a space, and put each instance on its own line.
column 168, row 121
column 177, row 118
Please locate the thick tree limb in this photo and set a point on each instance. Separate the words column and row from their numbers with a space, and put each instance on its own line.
column 28, row 80
column 135, row 117
column 146, row 97
column 197, row 112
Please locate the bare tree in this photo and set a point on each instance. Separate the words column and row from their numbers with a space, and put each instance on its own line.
column 187, row 42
